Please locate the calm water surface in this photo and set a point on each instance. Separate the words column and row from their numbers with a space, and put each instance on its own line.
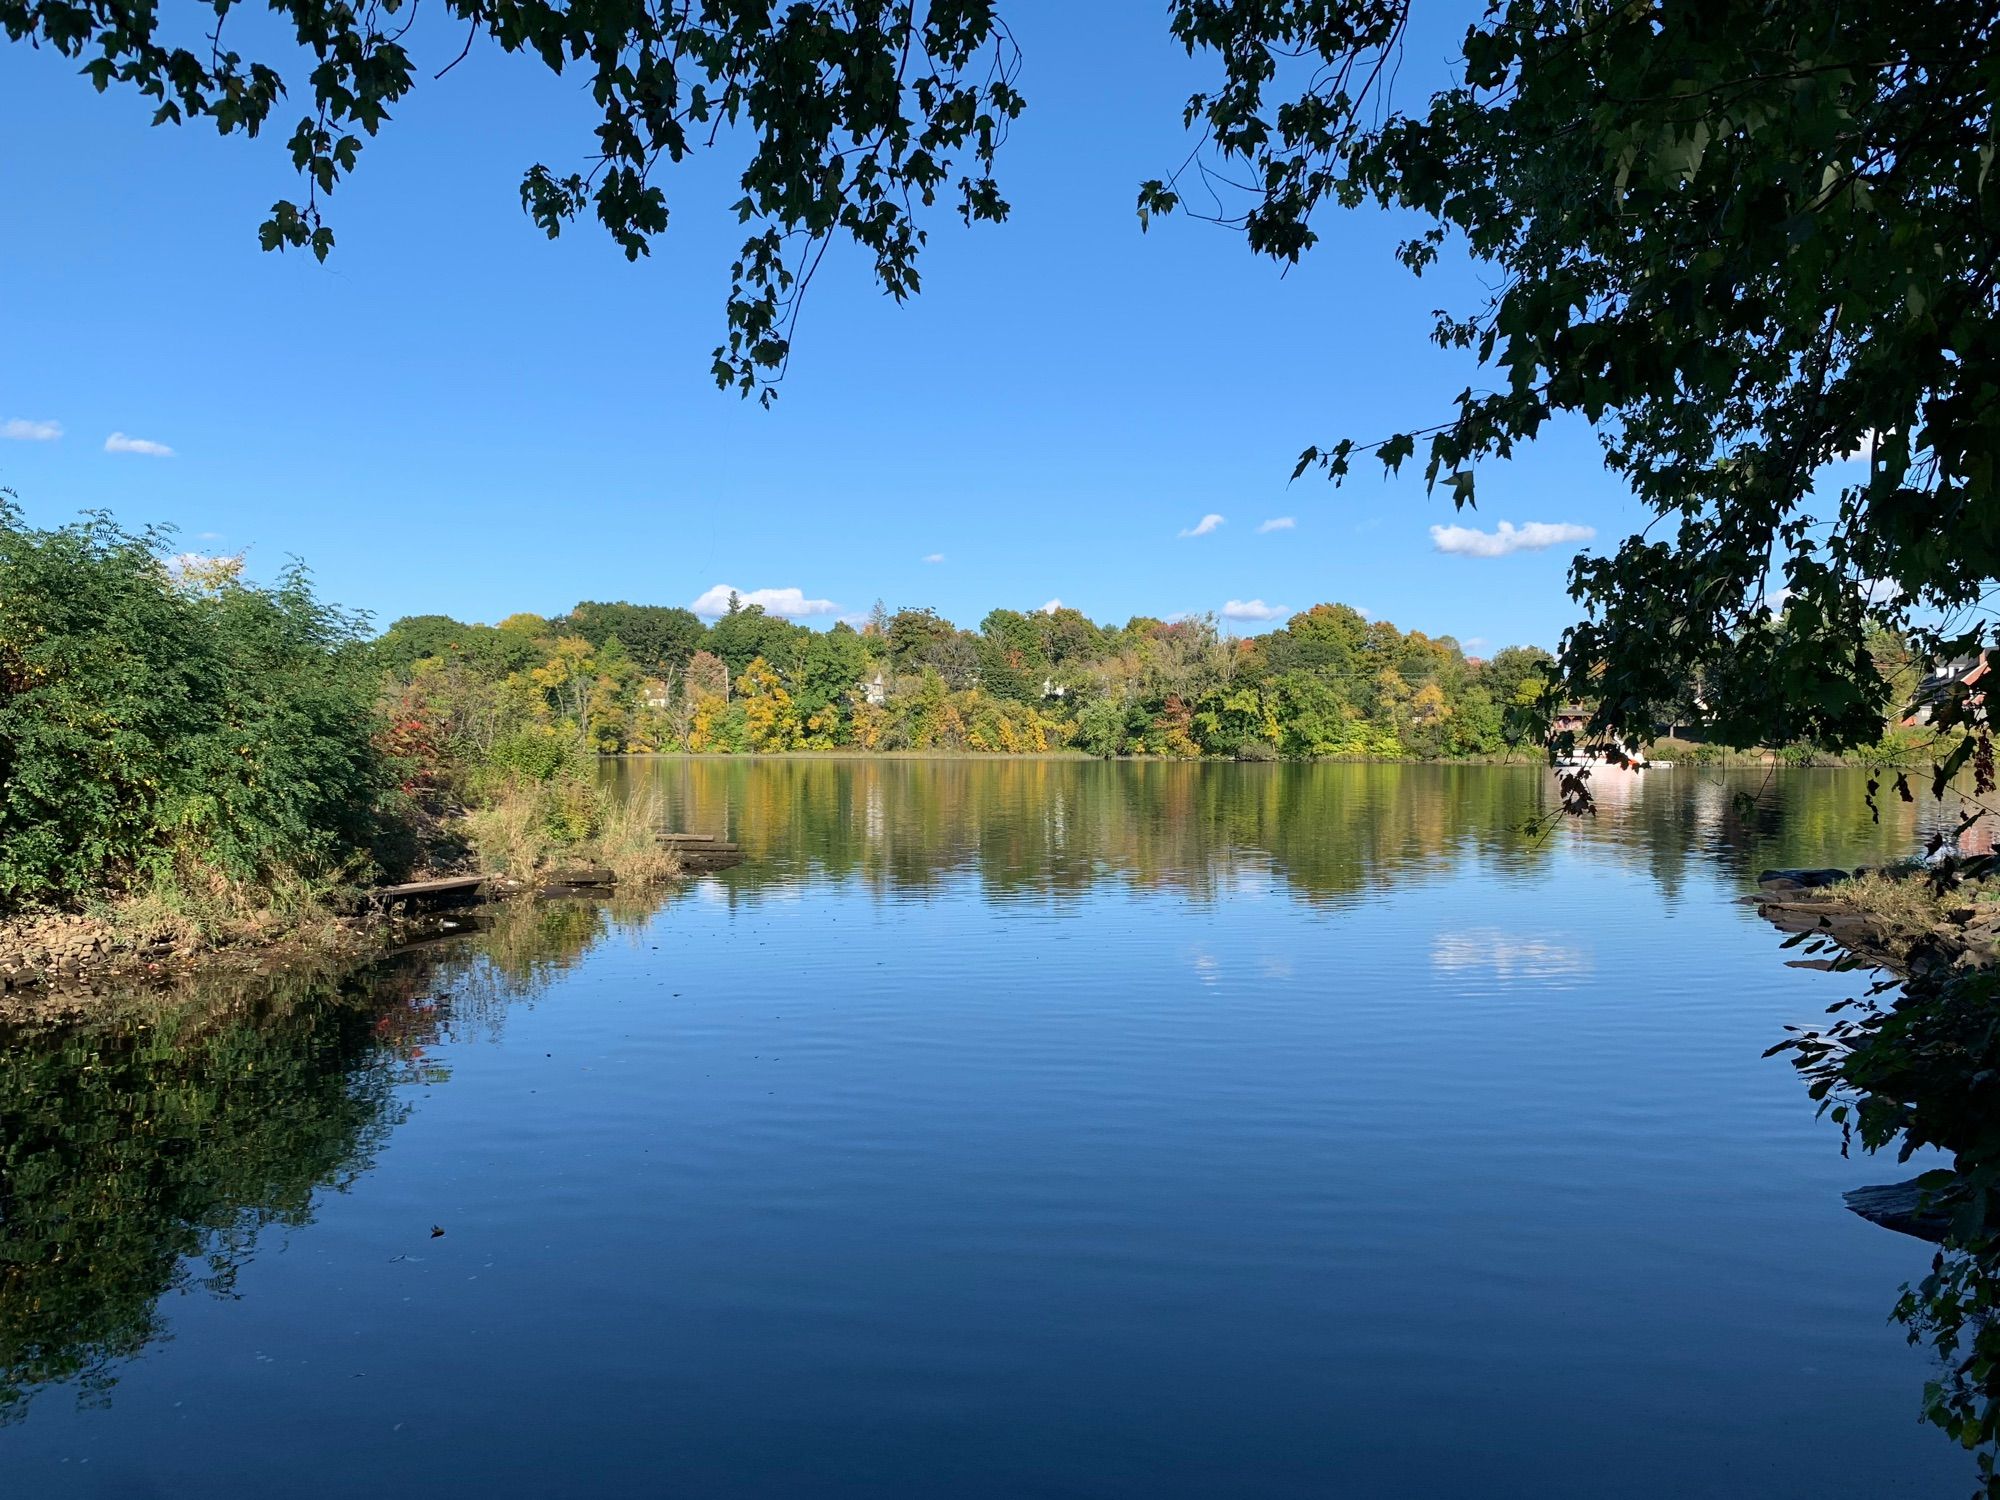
column 998, row 1129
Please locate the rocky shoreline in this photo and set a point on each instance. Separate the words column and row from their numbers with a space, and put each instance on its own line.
column 1923, row 922
column 79, row 954
column 1944, row 916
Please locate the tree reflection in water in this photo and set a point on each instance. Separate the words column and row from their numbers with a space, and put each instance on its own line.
column 149, row 1149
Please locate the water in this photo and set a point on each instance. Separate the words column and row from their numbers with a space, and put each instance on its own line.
column 998, row 1129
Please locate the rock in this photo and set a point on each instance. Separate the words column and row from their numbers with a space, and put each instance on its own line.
column 1809, row 879
column 1901, row 1206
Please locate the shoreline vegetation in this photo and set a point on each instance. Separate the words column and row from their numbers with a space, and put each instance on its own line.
column 1913, row 1062
column 196, row 769
column 195, row 764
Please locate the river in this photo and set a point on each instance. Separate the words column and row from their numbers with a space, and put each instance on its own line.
column 997, row 1129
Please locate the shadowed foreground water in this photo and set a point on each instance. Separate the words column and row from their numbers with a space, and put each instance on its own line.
column 998, row 1129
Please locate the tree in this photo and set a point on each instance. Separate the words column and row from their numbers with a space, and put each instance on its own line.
column 660, row 638
column 1012, row 660
column 707, row 676
column 771, row 721
column 1325, row 638
column 1746, row 241
column 153, row 735
column 835, row 660
column 859, row 114
column 745, row 632
column 911, row 632
column 565, row 682
column 416, row 637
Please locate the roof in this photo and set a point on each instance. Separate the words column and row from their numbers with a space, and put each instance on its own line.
column 1941, row 680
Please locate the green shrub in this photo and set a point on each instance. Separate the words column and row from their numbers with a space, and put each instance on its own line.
column 157, row 725
column 537, row 754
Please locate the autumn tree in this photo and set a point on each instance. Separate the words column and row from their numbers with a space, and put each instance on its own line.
column 771, row 720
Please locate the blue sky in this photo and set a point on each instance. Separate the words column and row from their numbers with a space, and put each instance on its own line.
column 455, row 414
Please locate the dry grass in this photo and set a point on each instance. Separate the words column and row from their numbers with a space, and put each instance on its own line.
column 510, row 833
column 1911, row 901
column 628, row 842
column 513, row 835
column 199, row 909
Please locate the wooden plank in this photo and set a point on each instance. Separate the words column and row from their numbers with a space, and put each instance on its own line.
column 449, row 885
column 590, row 875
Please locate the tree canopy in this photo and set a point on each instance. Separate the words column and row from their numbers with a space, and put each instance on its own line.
column 857, row 115
column 1743, row 241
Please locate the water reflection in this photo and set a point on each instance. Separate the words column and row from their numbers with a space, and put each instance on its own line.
column 154, row 1147
column 157, row 1147
column 1508, row 955
column 1328, row 833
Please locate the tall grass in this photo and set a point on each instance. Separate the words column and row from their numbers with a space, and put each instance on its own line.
column 522, row 828
column 628, row 841
column 509, row 832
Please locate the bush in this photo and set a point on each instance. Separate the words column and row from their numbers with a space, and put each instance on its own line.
column 1686, row 752
column 163, row 726
column 537, row 754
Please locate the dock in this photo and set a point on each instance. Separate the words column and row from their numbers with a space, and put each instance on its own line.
column 702, row 852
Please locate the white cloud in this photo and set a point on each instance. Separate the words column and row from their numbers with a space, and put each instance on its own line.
column 1204, row 526
column 1051, row 607
column 1253, row 609
column 934, row 557
column 1873, row 591
column 1530, row 536
column 21, row 430
column 791, row 603
column 119, row 443
column 1508, row 955
column 1863, row 452
column 1276, row 523
column 1474, row 642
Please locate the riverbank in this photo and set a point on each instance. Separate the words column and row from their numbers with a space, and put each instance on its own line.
column 1913, row 920
column 1913, row 1063
column 848, row 753
column 122, row 940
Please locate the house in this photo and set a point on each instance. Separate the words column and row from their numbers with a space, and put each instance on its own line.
column 875, row 692
column 1963, row 679
column 1571, row 718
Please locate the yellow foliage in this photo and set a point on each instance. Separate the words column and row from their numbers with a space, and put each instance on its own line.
column 823, row 728
column 701, row 727
column 1429, row 705
column 769, row 717
column 870, row 723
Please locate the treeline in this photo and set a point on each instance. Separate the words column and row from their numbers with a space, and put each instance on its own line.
column 633, row 678
column 204, row 752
